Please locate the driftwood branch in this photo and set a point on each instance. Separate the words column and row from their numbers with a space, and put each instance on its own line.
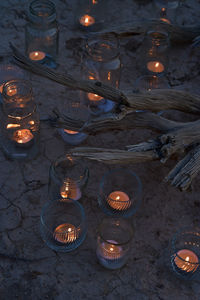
column 179, row 34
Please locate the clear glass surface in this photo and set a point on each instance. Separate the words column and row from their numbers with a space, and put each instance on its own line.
column 101, row 62
column 120, row 193
column 185, row 253
column 20, row 121
column 42, row 33
column 114, row 239
column 67, row 178
column 63, row 225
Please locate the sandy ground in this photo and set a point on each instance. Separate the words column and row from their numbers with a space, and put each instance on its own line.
column 28, row 268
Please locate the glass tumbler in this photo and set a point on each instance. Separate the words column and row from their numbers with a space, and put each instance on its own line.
column 114, row 239
column 63, row 225
column 20, row 121
column 154, row 57
column 41, row 33
column 67, row 178
column 167, row 10
column 101, row 62
column 90, row 14
column 185, row 253
column 120, row 193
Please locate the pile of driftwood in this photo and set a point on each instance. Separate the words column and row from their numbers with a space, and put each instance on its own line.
column 175, row 137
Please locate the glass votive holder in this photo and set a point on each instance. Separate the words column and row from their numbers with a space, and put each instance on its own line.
column 167, row 10
column 63, row 225
column 90, row 14
column 185, row 253
column 102, row 62
column 67, row 178
column 154, row 58
column 114, row 239
column 41, row 33
column 20, row 121
column 120, row 193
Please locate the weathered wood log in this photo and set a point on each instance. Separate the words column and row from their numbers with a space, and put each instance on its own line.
column 179, row 34
column 153, row 101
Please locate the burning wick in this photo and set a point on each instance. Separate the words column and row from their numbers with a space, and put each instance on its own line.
column 155, row 66
column 87, row 20
column 37, row 55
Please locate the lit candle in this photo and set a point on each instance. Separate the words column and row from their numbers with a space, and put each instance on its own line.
column 70, row 131
column 155, row 66
column 23, row 137
column 37, row 55
column 87, row 20
column 186, row 260
column 70, row 189
column 65, row 233
column 119, row 200
column 94, row 97
column 110, row 250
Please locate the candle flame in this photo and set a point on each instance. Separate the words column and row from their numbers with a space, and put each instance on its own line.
column 111, row 249
column 109, row 76
column 157, row 64
column 187, row 258
column 118, row 197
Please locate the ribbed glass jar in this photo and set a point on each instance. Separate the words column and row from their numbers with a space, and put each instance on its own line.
column 102, row 62
column 20, row 121
column 63, row 225
column 114, row 239
column 67, row 178
column 42, row 33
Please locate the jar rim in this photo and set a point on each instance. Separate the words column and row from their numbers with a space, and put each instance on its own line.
column 26, row 83
column 50, row 13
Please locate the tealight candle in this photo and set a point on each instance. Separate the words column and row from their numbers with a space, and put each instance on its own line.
column 155, row 66
column 87, row 20
column 65, row 233
column 94, row 97
column 110, row 250
column 23, row 137
column 70, row 131
column 186, row 260
column 119, row 200
column 37, row 55
column 70, row 189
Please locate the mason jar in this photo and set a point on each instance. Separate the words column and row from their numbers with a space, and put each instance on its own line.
column 41, row 33
column 20, row 121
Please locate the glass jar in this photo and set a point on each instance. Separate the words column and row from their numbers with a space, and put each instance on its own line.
column 185, row 253
column 167, row 10
column 41, row 33
column 101, row 62
column 90, row 14
column 20, row 121
column 63, row 225
column 114, row 239
column 120, row 193
column 67, row 178
column 154, row 57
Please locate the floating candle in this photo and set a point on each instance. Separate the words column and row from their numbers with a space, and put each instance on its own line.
column 186, row 260
column 37, row 55
column 65, row 233
column 87, row 20
column 119, row 200
column 70, row 189
column 23, row 136
column 155, row 66
column 70, row 131
column 94, row 97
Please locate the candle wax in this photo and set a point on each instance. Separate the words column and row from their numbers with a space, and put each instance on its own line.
column 37, row 55
column 87, row 20
column 119, row 200
column 155, row 66
column 70, row 189
column 186, row 260
column 65, row 233
column 22, row 136
column 110, row 250
column 70, row 131
column 94, row 97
